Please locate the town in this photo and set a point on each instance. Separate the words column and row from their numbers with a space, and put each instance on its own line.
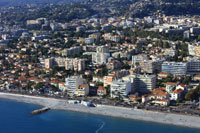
column 150, row 63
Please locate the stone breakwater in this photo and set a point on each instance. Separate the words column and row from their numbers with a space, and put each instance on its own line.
column 39, row 111
column 127, row 113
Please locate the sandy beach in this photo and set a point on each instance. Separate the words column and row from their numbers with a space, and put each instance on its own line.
column 143, row 115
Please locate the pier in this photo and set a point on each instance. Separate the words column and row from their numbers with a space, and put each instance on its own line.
column 39, row 111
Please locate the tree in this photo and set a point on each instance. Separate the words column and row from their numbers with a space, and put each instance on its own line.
column 198, row 39
column 165, row 45
column 54, row 88
column 193, row 94
column 186, row 80
column 39, row 85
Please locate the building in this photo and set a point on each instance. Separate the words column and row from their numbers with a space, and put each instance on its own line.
column 95, row 36
column 194, row 49
column 160, row 96
column 59, row 62
column 176, row 94
column 115, row 75
column 49, row 63
column 139, row 58
column 3, row 46
column 111, row 37
column 101, row 91
column 113, row 65
column 175, row 68
column 75, row 64
column 191, row 50
column 197, row 77
column 163, row 75
column 162, row 102
column 170, row 86
column 102, row 49
column 80, row 28
column 149, row 66
column 72, row 83
column 120, row 88
column 193, row 67
column 170, row 52
column 82, row 90
column 62, row 86
column 142, row 83
column 89, row 40
column 186, row 34
column 70, row 51
column 69, row 63
column 101, row 56
column 195, row 30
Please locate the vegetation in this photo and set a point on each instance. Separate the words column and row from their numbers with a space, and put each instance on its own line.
column 193, row 94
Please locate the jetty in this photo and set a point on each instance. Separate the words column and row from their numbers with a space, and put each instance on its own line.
column 39, row 111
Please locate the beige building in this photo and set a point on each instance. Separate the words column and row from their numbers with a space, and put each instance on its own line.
column 75, row 64
column 69, row 63
column 49, row 63
column 82, row 90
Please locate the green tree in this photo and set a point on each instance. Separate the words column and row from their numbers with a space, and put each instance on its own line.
column 186, row 80
column 39, row 85
column 193, row 94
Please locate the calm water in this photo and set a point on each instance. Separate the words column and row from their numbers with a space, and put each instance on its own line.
column 15, row 118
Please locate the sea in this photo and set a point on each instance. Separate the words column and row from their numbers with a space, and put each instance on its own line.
column 15, row 117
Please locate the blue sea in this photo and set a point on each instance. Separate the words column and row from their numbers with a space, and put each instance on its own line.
column 15, row 117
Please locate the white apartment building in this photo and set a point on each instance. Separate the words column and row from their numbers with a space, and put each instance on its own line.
column 142, row 83
column 101, row 56
column 176, row 68
column 72, row 83
column 122, row 88
column 102, row 49
column 139, row 58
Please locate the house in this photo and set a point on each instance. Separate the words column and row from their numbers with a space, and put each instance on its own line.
column 160, row 96
column 101, row 91
column 182, row 87
column 82, row 90
column 176, row 94
column 170, row 86
column 134, row 98
column 197, row 77
column 163, row 75
column 160, row 93
column 145, row 98
column 88, row 72
column 108, row 80
column 62, row 86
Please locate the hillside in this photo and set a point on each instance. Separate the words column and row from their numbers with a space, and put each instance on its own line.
column 23, row 2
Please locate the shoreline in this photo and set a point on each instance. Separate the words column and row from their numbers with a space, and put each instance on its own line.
column 112, row 111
